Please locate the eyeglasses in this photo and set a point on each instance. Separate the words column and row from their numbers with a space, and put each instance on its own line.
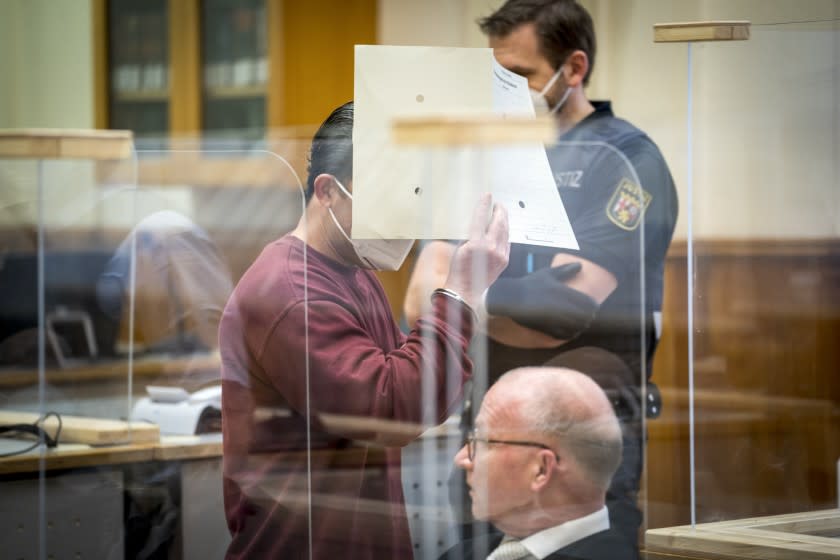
column 472, row 439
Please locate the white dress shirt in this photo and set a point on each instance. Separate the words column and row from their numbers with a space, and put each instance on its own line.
column 554, row 538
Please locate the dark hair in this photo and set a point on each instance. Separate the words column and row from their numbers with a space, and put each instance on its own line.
column 332, row 148
column 562, row 26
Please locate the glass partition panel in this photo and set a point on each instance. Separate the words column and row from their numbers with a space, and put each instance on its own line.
column 311, row 425
column 766, row 287
column 57, row 321
column 65, row 384
column 763, row 400
column 139, row 259
column 397, row 463
column 207, row 216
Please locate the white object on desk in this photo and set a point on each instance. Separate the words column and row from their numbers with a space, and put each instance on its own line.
column 175, row 410
column 167, row 394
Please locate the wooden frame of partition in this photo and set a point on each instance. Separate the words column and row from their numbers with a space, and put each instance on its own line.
column 780, row 537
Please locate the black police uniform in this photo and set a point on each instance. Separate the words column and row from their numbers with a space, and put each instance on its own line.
column 623, row 221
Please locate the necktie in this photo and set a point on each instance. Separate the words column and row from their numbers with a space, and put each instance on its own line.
column 510, row 549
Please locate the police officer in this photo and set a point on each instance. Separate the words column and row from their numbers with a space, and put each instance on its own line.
column 594, row 309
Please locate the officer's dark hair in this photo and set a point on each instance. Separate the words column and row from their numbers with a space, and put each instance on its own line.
column 332, row 148
column 562, row 26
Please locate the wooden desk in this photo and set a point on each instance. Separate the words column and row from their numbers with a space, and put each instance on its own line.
column 143, row 367
column 75, row 456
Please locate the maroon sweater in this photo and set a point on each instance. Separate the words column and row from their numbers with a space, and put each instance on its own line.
column 337, row 403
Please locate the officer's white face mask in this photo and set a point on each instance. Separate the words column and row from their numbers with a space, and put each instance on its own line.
column 376, row 254
column 541, row 106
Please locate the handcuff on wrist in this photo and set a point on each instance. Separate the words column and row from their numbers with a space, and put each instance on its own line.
column 453, row 295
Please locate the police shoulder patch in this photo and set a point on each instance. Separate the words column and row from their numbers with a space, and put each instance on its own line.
column 627, row 205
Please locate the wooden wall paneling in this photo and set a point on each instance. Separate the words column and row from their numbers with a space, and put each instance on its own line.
column 666, row 474
column 318, row 38
column 276, row 99
column 767, row 322
column 184, row 67
column 99, row 13
column 761, row 325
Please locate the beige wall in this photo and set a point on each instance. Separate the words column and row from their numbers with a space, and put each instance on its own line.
column 7, row 63
column 47, row 64
column 766, row 135
column 46, row 60
column 432, row 22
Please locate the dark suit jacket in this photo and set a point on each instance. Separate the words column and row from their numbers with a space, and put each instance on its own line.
column 606, row 545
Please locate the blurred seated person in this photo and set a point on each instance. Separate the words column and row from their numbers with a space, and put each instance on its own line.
column 538, row 464
column 181, row 286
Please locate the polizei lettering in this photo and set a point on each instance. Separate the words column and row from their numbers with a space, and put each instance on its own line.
column 569, row 179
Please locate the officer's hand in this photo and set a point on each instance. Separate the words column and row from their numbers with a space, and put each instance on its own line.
column 478, row 261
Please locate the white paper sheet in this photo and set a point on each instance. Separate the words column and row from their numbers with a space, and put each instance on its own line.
column 429, row 192
column 522, row 179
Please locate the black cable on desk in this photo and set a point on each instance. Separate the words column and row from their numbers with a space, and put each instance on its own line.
column 36, row 430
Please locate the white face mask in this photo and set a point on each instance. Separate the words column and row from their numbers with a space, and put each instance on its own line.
column 541, row 106
column 376, row 254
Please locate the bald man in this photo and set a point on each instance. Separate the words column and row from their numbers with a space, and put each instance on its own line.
column 538, row 464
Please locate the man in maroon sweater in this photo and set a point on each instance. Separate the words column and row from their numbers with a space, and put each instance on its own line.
column 320, row 387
